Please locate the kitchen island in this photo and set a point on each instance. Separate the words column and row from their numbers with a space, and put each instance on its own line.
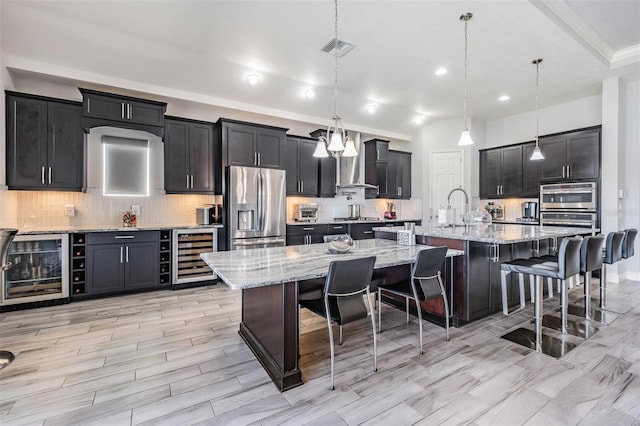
column 268, row 278
column 476, row 291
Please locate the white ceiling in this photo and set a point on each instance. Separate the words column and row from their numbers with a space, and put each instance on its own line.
column 201, row 51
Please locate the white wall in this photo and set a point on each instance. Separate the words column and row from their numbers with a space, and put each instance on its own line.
column 630, row 179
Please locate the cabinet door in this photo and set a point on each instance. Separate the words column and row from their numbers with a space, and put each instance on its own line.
column 65, row 147
column 478, row 284
column 382, row 179
column 584, row 155
column 327, row 177
column 490, row 162
column 145, row 113
column 511, row 171
column 105, row 268
column 269, row 145
column 404, row 174
column 142, row 262
column 290, row 163
column 26, row 143
column 307, row 168
column 532, row 172
column 554, row 150
column 241, row 145
column 107, row 107
column 363, row 231
column 393, row 186
column 296, row 240
column 201, row 157
column 176, row 160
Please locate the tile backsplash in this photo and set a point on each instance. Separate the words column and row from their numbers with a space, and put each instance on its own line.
column 46, row 209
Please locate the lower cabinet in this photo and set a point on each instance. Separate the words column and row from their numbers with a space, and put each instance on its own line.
column 305, row 234
column 122, row 261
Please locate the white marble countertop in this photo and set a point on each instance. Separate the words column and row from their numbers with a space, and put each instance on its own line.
column 275, row 265
column 110, row 228
column 495, row 233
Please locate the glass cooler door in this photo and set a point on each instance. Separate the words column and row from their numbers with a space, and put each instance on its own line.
column 39, row 269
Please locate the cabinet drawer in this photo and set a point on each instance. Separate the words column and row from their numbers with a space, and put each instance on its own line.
column 306, row 229
column 122, row 237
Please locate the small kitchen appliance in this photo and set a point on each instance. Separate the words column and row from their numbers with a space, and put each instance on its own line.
column 209, row 214
column 391, row 211
column 495, row 210
column 529, row 210
column 354, row 211
column 307, row 212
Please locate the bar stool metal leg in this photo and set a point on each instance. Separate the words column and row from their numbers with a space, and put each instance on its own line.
column 587, row 295
column 538, row 313
column 603, row 286
column 563, row 307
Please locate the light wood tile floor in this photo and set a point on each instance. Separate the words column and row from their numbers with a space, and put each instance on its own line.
column 175, row 358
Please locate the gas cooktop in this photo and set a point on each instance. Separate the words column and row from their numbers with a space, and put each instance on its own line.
column 342, row 219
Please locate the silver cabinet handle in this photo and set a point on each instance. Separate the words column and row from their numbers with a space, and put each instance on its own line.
column 50, row 175
column 122, row 109
column 498, row 190
column 301, row 186
column 121, row 253
column 368, row 232
column 308, row 229
column 129, row 111
column 563, row 168
column 43, row 175
column 255, row 158
column 127, row 255
column 400, row 191
column 124, row 237
column 187, row 176
column 568, row 173
column 191, row 181
column 259, row 159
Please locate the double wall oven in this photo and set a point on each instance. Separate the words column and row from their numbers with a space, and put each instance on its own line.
column 569, row 204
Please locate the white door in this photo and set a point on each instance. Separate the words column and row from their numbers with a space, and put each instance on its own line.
column 446, row 174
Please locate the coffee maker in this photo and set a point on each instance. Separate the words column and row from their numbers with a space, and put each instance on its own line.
column 529, row 210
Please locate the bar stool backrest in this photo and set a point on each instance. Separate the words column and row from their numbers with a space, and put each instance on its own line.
column 425, row 272
column 628, row 243
column 591, row 253
column 613, row 247
column 569, row 257
column 348, row 279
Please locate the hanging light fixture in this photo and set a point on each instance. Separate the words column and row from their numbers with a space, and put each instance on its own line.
column 537, row 153
column 336, row 143
column 465, row 137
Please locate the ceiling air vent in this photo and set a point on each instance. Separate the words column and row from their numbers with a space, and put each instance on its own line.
column 338, row 47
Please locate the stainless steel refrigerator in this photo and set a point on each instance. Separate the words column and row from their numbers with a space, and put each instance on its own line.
column 257, row 207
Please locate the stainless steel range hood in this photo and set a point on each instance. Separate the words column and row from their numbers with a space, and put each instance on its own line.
column 350, row 170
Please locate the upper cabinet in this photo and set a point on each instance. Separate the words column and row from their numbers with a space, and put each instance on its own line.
column 253, row 145
column 301, row 166
column 387, row 169
column 44, row 143
column 190, row 154
column 501, row 172
column 101, row 108
column 574, row 155
column 532, row 172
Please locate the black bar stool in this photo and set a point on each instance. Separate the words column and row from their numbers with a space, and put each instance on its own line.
column 590, row 260
column 612, row 254
column 568, row 265
column 629, row 242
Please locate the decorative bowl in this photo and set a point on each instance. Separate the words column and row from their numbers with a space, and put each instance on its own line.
column 340, row 245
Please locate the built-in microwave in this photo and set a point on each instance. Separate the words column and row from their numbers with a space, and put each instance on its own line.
column 582, row 196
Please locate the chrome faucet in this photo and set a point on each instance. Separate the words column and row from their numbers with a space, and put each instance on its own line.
column 466, row 198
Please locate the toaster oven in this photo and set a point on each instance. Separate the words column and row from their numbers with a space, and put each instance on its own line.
column 307, row 212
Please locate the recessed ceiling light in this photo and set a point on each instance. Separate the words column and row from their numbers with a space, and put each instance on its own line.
column 418, row 120
column 371, row 108
column 253, row 79
column 309, row 94
column 504, row 98
column 441, row 71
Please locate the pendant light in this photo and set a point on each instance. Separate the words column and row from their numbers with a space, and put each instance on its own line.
column 537, row 153
column 465, row 137
column 337, row 143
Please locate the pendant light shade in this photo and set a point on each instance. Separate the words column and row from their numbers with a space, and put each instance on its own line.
column 537, row 152
column 465, row 137
column 336, row 143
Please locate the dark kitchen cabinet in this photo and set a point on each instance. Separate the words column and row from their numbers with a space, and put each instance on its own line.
column 573, row 155
column 301, row 166
column 501, row 172
column 189, row 156
column 327, row 177
column 376, row 167
column 253, row 145
column 122, row 261
column 363, row 231
column 399, row 175
column 532, row 172
column 44, row 143
column 125, row 109
column 307, row 233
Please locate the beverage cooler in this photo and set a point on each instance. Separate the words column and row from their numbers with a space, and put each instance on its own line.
column 188, row 244
column 39, row 269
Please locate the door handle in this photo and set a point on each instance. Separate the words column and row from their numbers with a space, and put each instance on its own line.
column 127, row 254
column 49, row 175
column 568, row 171
column 259, row 159
column 42, row 175
column 124, row 237
column 122, row 109
column 191, row 181
column 129, row 111
column 187, row 176
column 563, row 167
column 121, row 249
column 301, row 186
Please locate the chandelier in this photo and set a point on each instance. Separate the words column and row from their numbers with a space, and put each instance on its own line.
column 465, row 137
column 336, row 143
column 537, row 153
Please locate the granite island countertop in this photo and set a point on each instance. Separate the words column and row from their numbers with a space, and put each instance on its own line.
column 494, row 233
column 274, row 265
column 110, row 228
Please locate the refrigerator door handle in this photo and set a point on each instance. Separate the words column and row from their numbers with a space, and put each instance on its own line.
column 260, row 224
